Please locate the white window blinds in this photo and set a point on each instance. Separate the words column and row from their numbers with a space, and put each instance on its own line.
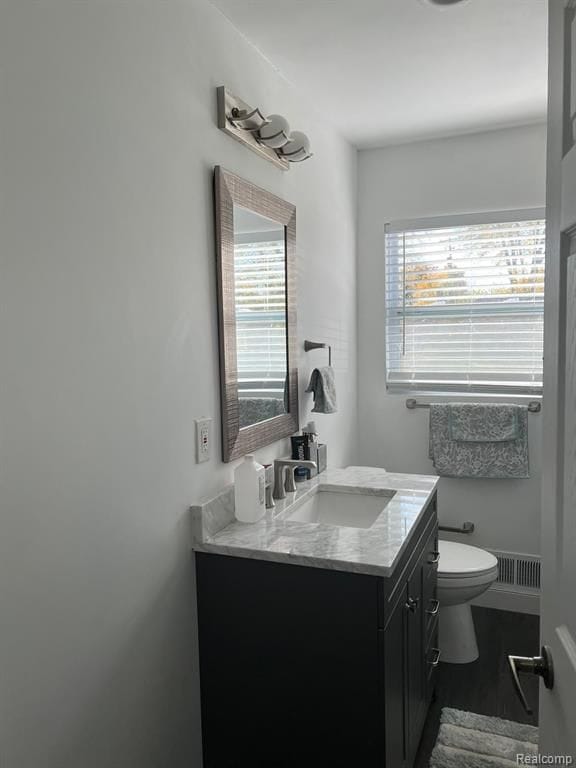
column 465, row 303
column 260, row 293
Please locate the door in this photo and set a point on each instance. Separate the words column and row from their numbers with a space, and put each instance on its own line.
column 558, row 704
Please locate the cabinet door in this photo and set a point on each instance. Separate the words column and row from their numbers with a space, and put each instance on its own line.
column 416, row 699
column 395, row 685
column 421, row 629
column 432, row 660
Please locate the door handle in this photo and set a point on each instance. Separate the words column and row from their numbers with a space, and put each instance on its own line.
column 434, row 607
column 412, row 603
column 435, row 557
column 436, row 658
column 532, row 665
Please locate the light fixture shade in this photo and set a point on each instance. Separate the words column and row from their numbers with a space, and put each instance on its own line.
column 276, row 133
column 297, row 149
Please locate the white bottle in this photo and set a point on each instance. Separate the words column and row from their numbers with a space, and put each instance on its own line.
column 249, row 490
column 310, row 430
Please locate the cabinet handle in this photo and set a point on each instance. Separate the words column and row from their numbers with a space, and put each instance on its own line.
column 434, row 607
column 436, row 660
column 412, row 604
column 435, row 557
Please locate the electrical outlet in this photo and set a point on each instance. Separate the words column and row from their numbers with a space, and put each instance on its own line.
column 203, row 440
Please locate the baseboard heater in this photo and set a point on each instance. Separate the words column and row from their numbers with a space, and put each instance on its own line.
column 517, row 572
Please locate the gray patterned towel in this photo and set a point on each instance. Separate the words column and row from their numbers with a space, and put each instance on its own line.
column 323, row 387
column 480, row 423
column 498, row 450
column 255, row 409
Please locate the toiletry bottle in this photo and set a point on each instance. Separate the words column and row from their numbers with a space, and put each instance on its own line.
column 312, row 447
column 249, row 490
column 299, row 446
column 310, row 432
column 301, row 474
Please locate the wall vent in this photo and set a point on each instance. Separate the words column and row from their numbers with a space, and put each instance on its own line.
column 517, row 572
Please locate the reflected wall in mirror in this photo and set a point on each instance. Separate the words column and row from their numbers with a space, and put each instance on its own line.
column 255, row 238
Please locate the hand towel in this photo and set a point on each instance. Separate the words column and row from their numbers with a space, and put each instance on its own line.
column 323, row 387
column 483, row 423
column 480, row 458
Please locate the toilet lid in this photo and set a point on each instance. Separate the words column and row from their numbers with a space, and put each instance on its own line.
column 461, row 559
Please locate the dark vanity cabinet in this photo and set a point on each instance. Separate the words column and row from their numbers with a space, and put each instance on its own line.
column 304, row 666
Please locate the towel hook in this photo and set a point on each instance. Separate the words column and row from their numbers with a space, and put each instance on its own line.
column 308, row 345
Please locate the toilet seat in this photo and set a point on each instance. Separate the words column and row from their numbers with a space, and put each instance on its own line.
column 458, row 561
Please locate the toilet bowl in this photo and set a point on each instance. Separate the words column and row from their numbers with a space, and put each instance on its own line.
column 464, row 572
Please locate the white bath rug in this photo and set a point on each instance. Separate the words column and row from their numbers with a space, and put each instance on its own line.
column 466, row 740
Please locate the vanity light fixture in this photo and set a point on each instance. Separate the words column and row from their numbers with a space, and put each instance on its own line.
column 275, row 133
column 443, row 3
column 297, row 148
column 247, row 121
column 269, row 137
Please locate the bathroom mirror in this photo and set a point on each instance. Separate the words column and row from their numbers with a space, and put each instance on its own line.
column 255, row 243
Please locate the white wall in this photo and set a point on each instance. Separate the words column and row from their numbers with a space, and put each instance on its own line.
column 108, row 340
column 483, row 172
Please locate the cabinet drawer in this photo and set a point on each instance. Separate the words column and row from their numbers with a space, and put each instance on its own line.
column 430, row 583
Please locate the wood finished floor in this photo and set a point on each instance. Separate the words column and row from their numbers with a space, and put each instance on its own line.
column 485, row 686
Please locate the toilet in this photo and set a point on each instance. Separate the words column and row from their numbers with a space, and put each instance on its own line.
column 464, row 572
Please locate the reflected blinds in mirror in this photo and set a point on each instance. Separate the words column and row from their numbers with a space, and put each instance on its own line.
column 260, row 291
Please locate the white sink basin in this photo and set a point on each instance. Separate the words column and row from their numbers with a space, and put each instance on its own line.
column 351, row 510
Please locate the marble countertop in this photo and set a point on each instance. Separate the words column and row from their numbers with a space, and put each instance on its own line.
column 374, row 550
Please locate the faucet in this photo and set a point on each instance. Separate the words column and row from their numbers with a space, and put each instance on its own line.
column 284, row 475
column 269, row 485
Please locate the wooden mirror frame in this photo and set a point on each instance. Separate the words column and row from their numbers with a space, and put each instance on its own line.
column 230, row 189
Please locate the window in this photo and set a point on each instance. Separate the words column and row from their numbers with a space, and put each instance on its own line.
column 465, row 303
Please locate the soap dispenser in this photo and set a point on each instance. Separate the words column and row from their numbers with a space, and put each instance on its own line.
column 249, row 490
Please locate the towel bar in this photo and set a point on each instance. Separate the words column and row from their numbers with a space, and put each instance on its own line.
column 464, row 528
column 534, row 406
column 308, row 345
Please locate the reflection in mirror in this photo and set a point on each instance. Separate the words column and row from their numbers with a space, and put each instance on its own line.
column 256, row 260
column 261, row 316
